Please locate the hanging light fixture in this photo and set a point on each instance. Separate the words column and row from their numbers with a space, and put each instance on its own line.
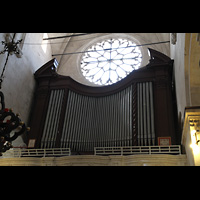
column 11, row 48
column 9, row 122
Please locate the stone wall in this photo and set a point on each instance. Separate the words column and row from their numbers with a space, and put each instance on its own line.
column 18, row 85
column 177, row 53
column 185, row 53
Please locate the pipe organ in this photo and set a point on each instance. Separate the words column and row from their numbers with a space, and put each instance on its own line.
column 135, row 111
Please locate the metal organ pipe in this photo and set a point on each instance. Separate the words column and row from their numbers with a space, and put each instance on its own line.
column 141, row 115
column 131, row 116
column 97, row 121
column 65, row 123
column 68, row 128
column 146, row 132
column 144, row 113
column 43, row 140
column 49, row 130
column 52, row 119
column 148, row 113
column 100, row 121
column 52, row 116
column 152, row 113
column 124, row 121
column 138, row 104
column 60, row 94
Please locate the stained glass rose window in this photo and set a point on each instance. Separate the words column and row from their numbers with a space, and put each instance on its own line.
column 111, row 60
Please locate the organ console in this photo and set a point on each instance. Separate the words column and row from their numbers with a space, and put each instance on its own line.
column 132, row 112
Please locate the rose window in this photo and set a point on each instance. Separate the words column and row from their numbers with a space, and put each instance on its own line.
column 111, row 60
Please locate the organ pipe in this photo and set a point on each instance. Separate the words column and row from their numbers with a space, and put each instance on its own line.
column 52, row 119
column 104, row 121
column 91, row 121
column 146, row 132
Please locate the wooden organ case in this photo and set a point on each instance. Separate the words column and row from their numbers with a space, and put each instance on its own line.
column 135, row 111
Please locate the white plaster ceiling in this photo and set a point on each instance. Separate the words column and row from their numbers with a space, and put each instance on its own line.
column 60, row 46
column 68, row 64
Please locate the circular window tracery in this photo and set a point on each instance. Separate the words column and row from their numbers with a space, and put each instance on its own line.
column 111, row 60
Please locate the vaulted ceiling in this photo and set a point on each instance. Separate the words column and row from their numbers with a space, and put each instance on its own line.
column 69, row 65
column 60, row 46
